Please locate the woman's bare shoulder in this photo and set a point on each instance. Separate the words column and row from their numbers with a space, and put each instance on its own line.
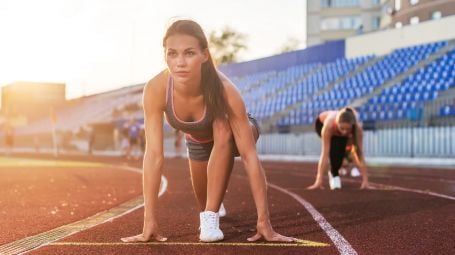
column 229, row 87
column 329, row 120
column 158, row 82
column 328, row 125
column 155, row 89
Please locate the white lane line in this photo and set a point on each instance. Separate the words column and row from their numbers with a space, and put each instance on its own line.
column 163, row 185
column 382, row 175
column 343, row 246
column 414, row 178
column 393, row 187
column 129, row 168
column 381, row 186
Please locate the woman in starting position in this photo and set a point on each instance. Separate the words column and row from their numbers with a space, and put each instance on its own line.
column 200, row 101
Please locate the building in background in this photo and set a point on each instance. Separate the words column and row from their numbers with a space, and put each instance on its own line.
column 412, row 12
column 329, row 20
column 26, row 101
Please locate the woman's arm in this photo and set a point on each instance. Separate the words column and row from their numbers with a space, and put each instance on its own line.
column 360, row 161
column 153, row 160
column 245, row 141
column 323, row 163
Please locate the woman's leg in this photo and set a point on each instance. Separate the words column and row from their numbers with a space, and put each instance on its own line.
column 220, row 164
column 199, row 166
column 198, row 170
column 337, row 152
column 221, row 161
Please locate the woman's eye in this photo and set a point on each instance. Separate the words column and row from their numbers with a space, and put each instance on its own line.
column 190, row 53
column 172, row 54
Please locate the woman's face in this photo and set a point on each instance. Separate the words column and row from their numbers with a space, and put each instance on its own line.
column 345, row 128
column 184, row 57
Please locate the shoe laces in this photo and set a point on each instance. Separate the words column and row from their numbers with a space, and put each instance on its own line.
column 211, row 221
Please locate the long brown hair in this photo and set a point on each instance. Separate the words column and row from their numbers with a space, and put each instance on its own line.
column 347, row 115
column 212, row 86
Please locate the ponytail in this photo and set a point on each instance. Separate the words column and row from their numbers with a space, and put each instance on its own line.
column 213, row 89
column 348, row 115
column 349, row 109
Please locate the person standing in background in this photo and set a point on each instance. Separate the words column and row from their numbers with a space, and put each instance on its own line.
column 133, row 139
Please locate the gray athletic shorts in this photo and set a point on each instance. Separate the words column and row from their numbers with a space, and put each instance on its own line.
column 201, row 151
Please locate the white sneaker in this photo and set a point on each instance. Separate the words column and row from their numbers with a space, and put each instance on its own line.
column 355, row 172
column 334, row 182
column 222, row 211
column 332, row 187
column 210, row 227
column 337, row 182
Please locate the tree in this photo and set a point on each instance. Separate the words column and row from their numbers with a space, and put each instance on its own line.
column 226, row 44
column 291, row 44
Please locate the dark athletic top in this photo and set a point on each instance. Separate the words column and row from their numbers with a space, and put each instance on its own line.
column 200, row 127
column 336, row 132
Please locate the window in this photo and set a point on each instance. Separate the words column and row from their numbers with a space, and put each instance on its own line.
column 414, row 20
column 375, row 2
column 326, row 3
column 375, row 23
column 397, row 5
column 347, row 22
column 339, row 3
column 356, row 22
column 398, row 25
column 436, row 15
column 330, row 24
column 413, row 2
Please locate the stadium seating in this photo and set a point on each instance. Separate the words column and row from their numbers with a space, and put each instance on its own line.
column 414, row 91
column 304, row 87
column 447, row 110
column 402, row 101
column 299, row 93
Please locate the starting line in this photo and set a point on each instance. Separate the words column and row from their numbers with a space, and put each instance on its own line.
column 298, row 243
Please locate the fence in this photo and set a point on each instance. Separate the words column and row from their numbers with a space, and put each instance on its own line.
column 402, row 142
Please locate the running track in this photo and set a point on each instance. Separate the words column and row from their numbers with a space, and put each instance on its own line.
column 409, row 211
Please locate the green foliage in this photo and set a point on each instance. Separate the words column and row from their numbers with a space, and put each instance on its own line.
column 226, row 45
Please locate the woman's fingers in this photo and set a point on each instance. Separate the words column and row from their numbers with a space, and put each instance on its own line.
column 133, row 239
column 275, row 237
column 160, row 238
column 254, row 238
column 315, row 186
column 142, row 238
column 280, row 238
column 364, row 186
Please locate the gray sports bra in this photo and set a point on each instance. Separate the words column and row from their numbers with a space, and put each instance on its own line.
column 202, row 126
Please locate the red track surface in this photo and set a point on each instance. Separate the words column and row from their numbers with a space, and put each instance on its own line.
column 380, row 221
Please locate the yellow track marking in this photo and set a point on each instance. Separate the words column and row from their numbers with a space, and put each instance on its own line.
column 300, row 242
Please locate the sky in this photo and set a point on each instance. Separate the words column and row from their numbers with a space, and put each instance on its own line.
column 100, row 45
